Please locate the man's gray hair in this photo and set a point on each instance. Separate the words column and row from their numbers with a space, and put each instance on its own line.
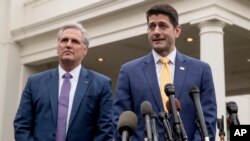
column 75, row 26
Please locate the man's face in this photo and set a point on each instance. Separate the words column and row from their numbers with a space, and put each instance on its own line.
column 71, row 49
column 161, row 33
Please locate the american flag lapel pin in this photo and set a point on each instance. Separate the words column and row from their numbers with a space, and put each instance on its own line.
column 182, row 68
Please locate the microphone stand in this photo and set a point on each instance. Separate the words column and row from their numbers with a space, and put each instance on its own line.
column 154, row 128
column 194, row 93
column 199, row 127
column 184, row 134
column 170, row 92
column 163, row 117
column 146, row 110
column 125, row 135
column 220, row 125
column 145, row 134
column 205, row 138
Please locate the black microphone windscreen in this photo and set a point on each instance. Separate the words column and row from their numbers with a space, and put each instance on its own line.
column 194, row 92
column 231, row 107
column 127, row 121
column 169, row 89
column 194, row 89
column 146, row 108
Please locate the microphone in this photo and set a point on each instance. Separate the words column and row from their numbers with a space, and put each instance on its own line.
column 232, row 110
column 220, row 126
column 178, row 107
column 153, row 125
column 127, row 124
column 170, row 92
column 146, row 111
column 164, row 119
column 194, row 93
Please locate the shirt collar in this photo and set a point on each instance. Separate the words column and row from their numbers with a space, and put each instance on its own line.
column 171, row 56
column 75, row 72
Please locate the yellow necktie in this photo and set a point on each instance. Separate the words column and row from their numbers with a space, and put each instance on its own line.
column 165, row 78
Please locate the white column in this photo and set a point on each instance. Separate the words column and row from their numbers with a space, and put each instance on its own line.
column 3, row 54
column 212, row 52
column 9, row 74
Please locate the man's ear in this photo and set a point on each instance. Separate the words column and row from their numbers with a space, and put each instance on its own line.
column 177, row 31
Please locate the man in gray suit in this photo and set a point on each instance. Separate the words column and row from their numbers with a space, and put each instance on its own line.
column 69, row 103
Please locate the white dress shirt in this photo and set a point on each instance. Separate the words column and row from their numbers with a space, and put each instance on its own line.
column 158, row 64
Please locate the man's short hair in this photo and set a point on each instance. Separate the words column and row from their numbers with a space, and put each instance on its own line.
column 78, row 27
column 164, row 9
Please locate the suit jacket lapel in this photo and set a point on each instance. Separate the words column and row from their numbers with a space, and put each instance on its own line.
column 180, row 72
column 150, row 74
column 52, row 86
column 83, row 83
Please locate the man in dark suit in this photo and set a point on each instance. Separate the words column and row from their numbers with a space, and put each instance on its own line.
column 69, row 103
column 139, row 80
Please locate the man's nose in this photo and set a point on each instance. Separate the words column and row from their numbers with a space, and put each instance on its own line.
column 69, row 43
column 157, row 30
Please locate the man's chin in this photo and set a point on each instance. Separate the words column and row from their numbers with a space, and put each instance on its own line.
column 67, row 60
column 159, row 48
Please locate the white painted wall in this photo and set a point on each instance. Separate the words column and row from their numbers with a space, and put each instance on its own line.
column 26, row 12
